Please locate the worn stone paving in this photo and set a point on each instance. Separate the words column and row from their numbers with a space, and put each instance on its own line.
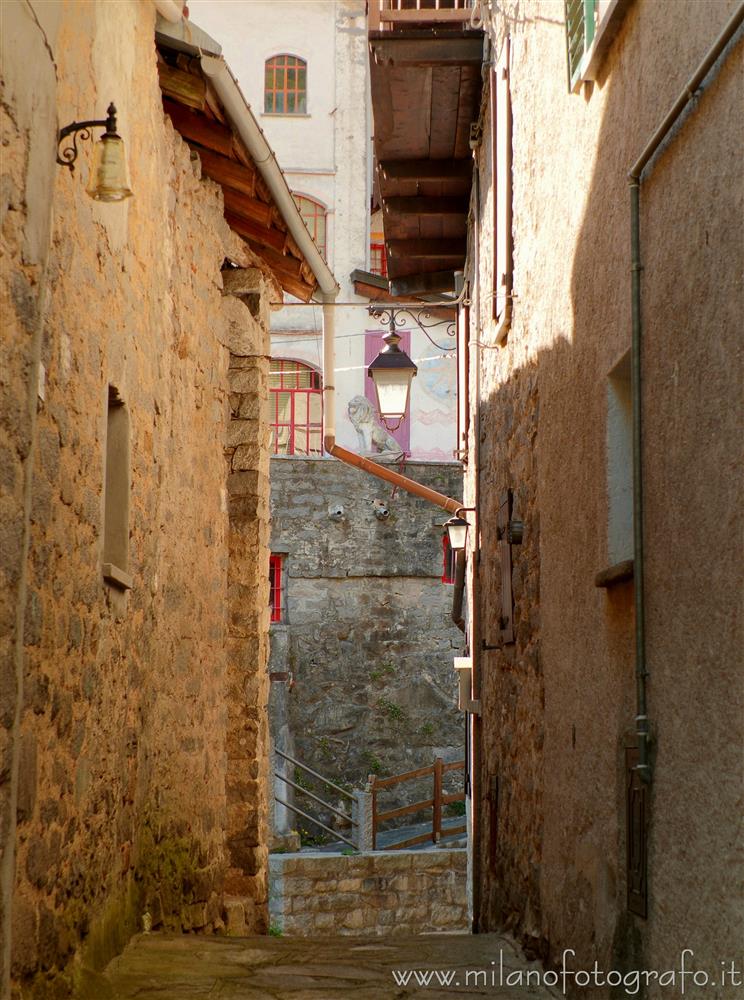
column 188, row 967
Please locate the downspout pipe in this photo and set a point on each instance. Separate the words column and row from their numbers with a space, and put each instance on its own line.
column 169, row 10
column 636, row 266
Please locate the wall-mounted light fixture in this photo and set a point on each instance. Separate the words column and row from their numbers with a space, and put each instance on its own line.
column 392, row 372
column 108, row 173
column 457, row 530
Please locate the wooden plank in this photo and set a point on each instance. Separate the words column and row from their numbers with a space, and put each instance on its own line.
column 429, row 51
column 405, row 810
column 257, row 233
column 426, row 170
column 423, row 284
column 284, row 270
column 199, row 129
column 426, row 206
column 428, row 249
column 455, row 765
column 233, row 175
column 411, row 842
column 445, row 97
column 186, row 88
column 419, row 17
column 406, row 776
column 250, row 208
column 436, row 831
column 456, row 797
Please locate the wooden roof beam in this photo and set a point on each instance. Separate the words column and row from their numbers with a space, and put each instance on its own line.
column 446, row 249
column 423, row 284
column 257, row 233
column 425, row 206
column 197, row 128
column 230, row 174
column 428, row 51
column 426, row 170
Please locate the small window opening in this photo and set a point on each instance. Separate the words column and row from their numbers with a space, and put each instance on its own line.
column 619, row 463
column 276, row 602
column 117, row 488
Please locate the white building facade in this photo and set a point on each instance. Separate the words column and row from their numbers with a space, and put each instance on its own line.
column 303, row 65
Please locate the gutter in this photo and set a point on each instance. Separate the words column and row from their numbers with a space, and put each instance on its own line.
column 634, row 179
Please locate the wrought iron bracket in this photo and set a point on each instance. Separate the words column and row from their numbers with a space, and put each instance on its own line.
column 66, row 157
column 396, row 318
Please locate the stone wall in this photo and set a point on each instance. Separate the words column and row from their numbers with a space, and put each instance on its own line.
column 115, row 701
column 559, row 704
column 399, row 892
column 365, row 650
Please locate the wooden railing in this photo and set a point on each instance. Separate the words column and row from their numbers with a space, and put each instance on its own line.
column 386, row 14
column 435, row 803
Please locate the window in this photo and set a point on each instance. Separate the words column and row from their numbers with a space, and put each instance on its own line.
column 296, row 400
column 116, row 499
column 314, row 216
column 619, row 464
column 275, row 588
column 377, row 259
column 448, row 562
column 285, row 86
column 591, row 26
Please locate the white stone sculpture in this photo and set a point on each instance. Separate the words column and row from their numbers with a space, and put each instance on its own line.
column 374, row 440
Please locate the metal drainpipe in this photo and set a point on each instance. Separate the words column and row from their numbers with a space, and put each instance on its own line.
column 476, row 720
column 634, row 179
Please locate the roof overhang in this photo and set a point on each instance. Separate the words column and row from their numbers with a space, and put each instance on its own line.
column 426, row 89
column 206, row 107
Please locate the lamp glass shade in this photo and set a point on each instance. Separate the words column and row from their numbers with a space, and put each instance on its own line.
column 392, row 387
column 108, row 179
column 457, row 532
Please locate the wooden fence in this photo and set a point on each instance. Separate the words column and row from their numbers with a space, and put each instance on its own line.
column 385, row 14
column 438, row 769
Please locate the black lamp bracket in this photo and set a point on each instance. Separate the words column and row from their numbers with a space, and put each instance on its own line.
column 425, row 319
column 66, row 157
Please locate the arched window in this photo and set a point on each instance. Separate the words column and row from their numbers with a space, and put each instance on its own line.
column 314, row 215
column 285, row 86
column 296, row 395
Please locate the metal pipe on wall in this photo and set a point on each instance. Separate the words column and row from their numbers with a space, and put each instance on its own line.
column 634, row 179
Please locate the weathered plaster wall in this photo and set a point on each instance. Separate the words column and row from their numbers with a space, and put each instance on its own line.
column 560, row 702
column 368, row 638
column 115, row 762
column 402, row 892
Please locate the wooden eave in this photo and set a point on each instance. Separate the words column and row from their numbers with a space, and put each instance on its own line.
column 426, row 89
column 250, row 210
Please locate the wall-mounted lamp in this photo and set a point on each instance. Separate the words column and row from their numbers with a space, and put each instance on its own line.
column 392, row 372
column 108, row 174
column 457, row 530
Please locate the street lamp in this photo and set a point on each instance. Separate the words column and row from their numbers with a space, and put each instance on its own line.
column 392, row 371
column 457, row 532
column 108, row 173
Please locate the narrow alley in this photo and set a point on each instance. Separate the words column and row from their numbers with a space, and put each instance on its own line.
column 371, row 522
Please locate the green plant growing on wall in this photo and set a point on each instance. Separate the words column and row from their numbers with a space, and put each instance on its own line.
column 384, row 672
column 373, row 763
column 427, row 729
column 275, row 931
column 393, row 711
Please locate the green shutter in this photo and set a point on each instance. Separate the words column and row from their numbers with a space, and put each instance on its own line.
column 579, row 35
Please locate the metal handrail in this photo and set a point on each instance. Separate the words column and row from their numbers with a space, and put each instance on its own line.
column 297, row 763
column 312, row 819
column 316, row 798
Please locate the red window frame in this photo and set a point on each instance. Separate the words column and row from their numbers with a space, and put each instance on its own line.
column 448, row 561
column 275, row 588
column 289, row 377
column 314, row 216
column 285, row 85
column 378, row 259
